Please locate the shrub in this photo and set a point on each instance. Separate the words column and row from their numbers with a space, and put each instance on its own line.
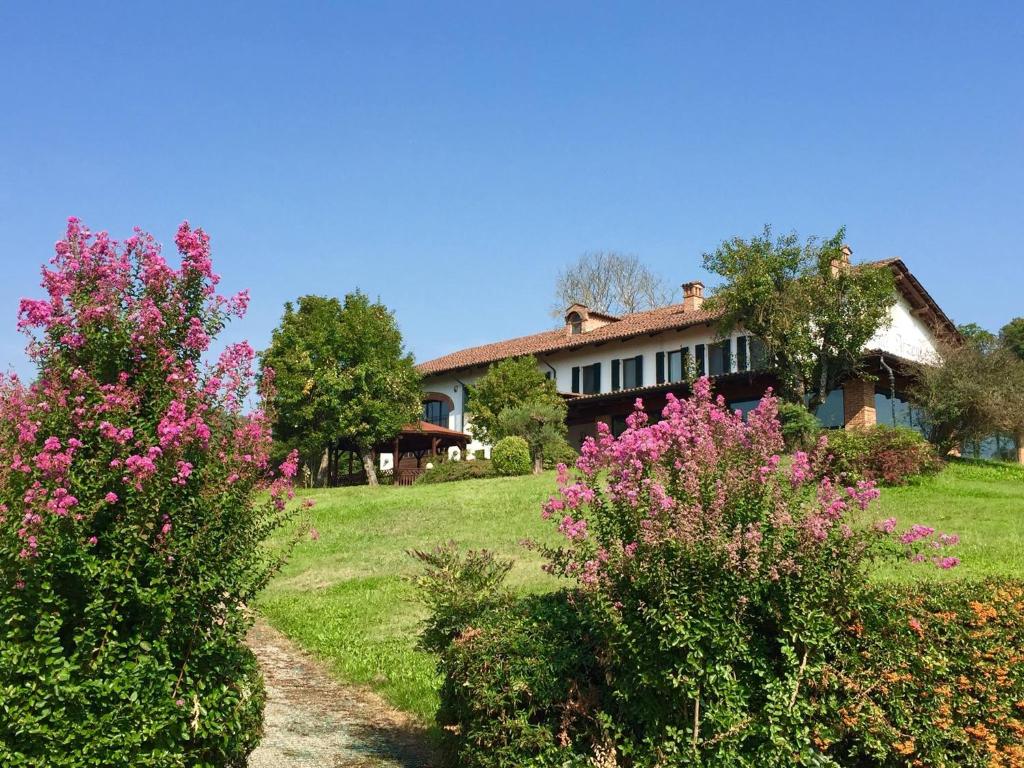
column 521, row 687
column 450, row 471
column 457, row 589
column 799, row 426
column 511, row 456
column 931, row 675
column 134, row 503
column 562, row 453
column 887, row 455
column 718, row 582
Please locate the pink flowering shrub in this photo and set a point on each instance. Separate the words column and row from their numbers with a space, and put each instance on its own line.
column 720, row 578
column 135, row 497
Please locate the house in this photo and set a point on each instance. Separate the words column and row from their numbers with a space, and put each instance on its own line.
column 601, row 364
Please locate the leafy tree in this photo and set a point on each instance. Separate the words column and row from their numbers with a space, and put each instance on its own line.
column 541, row 424
column 813, row 312
column 349, row 384
column 974, row 334
column 1012, row 336
column 509, row 384
column 609, row 282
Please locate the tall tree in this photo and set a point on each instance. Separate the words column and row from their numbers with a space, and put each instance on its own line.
column 811, row 309
column 610, row 282
column 1012, row 336
column 344, row 378
column 508, row 385
column 541, row 423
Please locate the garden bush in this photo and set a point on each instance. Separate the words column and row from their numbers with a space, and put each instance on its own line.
column 135, row 496
column 450, row 471
column 560, row 453
column 511, row 456
column 887, row 455
column 713, row 587
column 800, row 427
column 931, row 674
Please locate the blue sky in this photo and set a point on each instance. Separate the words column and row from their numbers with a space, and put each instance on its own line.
column 449, row 158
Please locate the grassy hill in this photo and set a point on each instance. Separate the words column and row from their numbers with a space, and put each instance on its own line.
column 346, row 598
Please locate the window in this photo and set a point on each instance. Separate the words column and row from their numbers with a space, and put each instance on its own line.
column 830, row 413
column 741, row 353
column 575, row 323
column 633, row 372
column 679, row 364
column 897, row 412
column 436, row 412
column 698, row 360
column 618, row 425
column 744, row 406
column 758, row 354
column 720, row 358
column 587, row 379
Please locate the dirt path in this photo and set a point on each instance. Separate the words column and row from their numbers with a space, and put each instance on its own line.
column 312, row 721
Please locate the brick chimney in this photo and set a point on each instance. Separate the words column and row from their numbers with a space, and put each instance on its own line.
column 842, row 263
column 693, row 296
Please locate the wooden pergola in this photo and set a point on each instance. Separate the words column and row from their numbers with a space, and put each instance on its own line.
column 417, row 441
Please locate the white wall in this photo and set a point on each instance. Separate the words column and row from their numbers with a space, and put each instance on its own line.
column 907, row 335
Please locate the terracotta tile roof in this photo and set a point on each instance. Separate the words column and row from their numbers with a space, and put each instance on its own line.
column 425, row 427
column 652, row 321
column 636, row 324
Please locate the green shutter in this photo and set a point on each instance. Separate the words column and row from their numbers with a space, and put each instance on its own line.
column 615, row 375
column 639, row 370
column 659, row 368
column 741, row 353
column 727, row 356
column 597, row 377
column 686, row 363
column 698, row 362
column 576, row 378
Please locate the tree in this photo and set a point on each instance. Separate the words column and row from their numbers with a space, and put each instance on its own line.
column 347, row 384
column 1012, row 336
column 811, row 309
column 974, row 334
column 510, row 385
column 540, row 423
column 972, row 392
column 610, row 282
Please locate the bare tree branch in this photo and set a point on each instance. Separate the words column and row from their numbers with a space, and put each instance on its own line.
column 610, row 282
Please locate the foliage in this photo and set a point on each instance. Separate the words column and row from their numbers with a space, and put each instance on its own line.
column 457, row 590
column 511, row 456
column 541, row 424
column 451, row 471
column 350, row 382
column 135, row 498
column 719, row 582
column 520, row 686
column 1012, row 336
column 974, row 334
column 799, row 426
column 971, row 392
column 813, row 311
column 510, row 383
column 886, row 455
column 931, row 675
column 610, row 283
column 563, row 454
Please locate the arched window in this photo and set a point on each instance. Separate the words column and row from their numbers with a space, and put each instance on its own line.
column 436, row 411
column 575, row 323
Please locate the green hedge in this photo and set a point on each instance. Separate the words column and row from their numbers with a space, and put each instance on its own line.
column 450, row 471
column 511, row 456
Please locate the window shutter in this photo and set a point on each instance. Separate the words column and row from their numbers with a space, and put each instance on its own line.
column 575, row 378
column 686, row 363
column 698, row 363
column 727, row 356
column 741, row 353
column 597, row 377
column 615, row 374
column 659, row 368
column 639, row 370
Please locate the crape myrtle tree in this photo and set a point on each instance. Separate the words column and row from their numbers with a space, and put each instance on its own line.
column 136, row 494
column 812, row 311
column 345, row 377
column 514, row 398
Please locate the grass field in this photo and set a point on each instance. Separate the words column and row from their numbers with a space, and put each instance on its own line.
column 346, row 597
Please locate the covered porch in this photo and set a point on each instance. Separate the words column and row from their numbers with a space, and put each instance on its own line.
column 410, row 451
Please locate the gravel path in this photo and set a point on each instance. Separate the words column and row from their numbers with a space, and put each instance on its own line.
column 311, row 720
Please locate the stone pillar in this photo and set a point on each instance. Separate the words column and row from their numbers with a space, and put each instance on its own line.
column 859, row 404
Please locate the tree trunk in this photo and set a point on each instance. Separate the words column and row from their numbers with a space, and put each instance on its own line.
column 538, row 464
column 371, row 471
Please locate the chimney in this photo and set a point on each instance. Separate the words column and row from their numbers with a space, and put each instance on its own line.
column 693, row 296
column 842, row 263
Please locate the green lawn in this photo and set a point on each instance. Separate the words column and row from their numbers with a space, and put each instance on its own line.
column 346, row 597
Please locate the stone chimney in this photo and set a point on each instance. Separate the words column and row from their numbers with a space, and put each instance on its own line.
column 693, row 296
column 842, row 263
